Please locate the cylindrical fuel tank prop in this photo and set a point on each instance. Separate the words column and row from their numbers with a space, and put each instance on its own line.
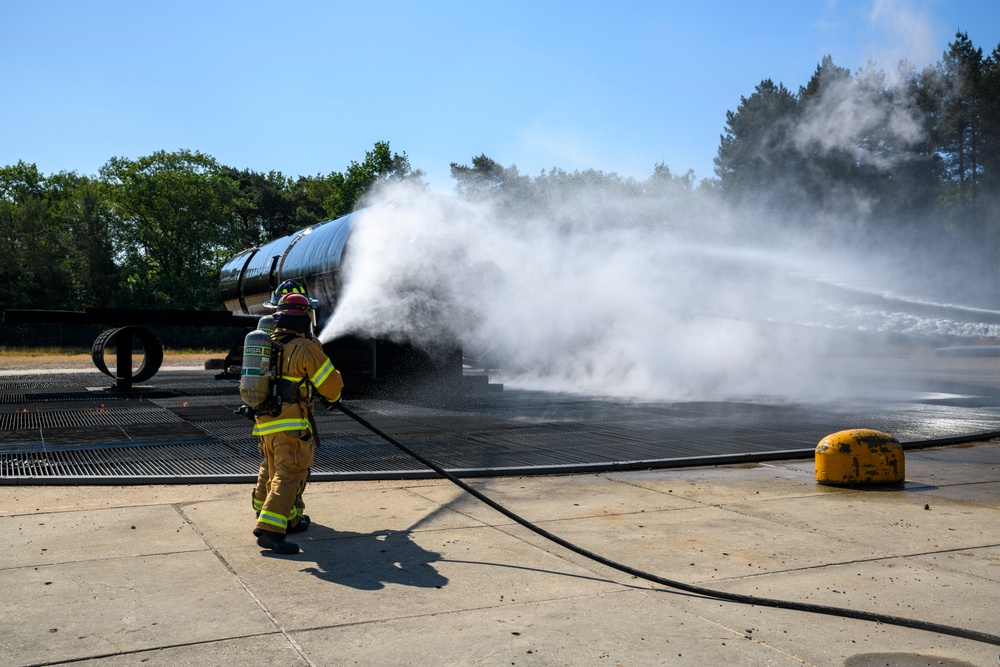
column 312, row 255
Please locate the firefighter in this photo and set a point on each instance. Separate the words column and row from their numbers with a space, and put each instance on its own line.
column 286, row 441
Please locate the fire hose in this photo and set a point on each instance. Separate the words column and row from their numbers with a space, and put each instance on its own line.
column 842, row 612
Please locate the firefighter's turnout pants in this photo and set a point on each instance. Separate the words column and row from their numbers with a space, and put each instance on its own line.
column 286, row 457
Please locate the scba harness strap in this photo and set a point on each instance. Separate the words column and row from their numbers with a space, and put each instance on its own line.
column 288, row 387
column 284, row 389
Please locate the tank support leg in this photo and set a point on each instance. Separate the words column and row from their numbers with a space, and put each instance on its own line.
column 123, row 362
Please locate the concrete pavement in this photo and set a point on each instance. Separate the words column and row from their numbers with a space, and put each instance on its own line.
column 420, row 573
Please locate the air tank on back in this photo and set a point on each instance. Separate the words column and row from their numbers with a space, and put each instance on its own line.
column 315, row 256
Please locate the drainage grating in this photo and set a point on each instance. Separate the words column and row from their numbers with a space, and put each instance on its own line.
column 163, row 463
column 100, row 416
column 186, row 431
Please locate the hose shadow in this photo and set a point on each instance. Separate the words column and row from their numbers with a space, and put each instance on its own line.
column 369, row 561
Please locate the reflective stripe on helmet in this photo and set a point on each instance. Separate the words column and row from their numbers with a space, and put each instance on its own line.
column 290, row 287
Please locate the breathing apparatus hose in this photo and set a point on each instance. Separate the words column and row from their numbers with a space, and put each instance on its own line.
column 690, row 588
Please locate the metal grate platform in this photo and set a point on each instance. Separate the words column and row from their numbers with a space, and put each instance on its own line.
column 56, row 430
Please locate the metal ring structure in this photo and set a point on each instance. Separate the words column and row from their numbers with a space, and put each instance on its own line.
column 151, row 348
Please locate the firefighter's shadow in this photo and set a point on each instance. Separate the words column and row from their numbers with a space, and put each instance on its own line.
column 369, row 561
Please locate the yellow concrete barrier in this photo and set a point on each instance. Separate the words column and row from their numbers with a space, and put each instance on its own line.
column 859, row 457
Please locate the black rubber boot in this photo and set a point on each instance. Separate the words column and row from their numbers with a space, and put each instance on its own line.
column 275, row 542
column 302, row 526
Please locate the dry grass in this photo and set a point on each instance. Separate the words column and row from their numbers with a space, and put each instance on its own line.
column 54, row 358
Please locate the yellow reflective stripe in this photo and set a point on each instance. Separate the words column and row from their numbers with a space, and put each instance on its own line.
column 257, row 504
column 322, row 374
column 273, row 519
column 291, row 378
column 280, row 425
column 296, row 512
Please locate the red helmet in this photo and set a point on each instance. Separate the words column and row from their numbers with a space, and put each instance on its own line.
column 294, row 304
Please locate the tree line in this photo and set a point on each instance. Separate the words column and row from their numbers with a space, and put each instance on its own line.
column 153, row 232
column 911, row 156
column 908, row 151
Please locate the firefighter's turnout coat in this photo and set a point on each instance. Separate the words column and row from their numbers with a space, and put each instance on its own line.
column 286, row 441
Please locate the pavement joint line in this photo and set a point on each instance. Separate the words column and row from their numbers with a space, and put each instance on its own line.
column 598, row 579
column 465, row 610
column 103, row 560
column 749, row 636
column 735, row 507
column 859, row 561
column 139, row 651
column 253, row 596
column 72, row 510
column 953, row 484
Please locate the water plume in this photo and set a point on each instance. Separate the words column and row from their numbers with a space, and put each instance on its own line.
column 623, row 307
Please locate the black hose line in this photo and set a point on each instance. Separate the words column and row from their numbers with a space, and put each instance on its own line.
column 690, row 588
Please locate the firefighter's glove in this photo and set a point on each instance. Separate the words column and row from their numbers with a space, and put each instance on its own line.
column 330, row 405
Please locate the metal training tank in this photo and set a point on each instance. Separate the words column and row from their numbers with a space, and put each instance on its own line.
column 314, row 256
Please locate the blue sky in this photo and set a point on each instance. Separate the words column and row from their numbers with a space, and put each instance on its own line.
column 306, row 87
